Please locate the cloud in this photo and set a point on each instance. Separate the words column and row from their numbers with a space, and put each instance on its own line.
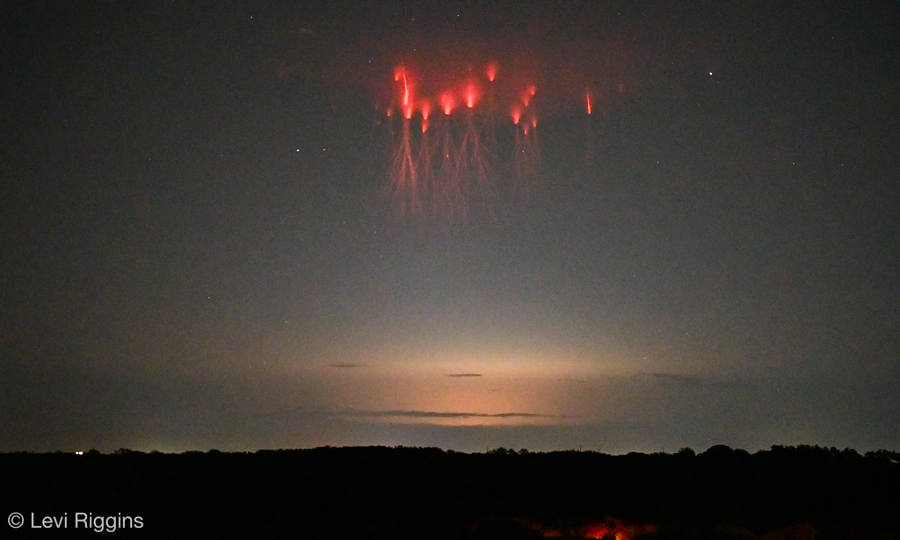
column 691, row 380
column 436, row 414
column 464, row 374
column 673, row 378
column 346, row 366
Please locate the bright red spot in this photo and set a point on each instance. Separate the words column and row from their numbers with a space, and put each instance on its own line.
column 492, row 71
column 400, row 73
column 425, row 107
column 532, row 90
column 471, row 95
column 596, row 531
column 615, row 529
column 407, row 112
column 424, row 125
column 587, row 96
column 516, row 115
column 534, row 122
column 447, row 102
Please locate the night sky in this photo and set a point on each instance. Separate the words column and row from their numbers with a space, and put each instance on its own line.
column 199, row 247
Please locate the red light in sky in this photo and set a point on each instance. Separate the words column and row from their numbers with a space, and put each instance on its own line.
column 447, row 102
column 400, row 73
column 471, row 95
column 440, row 170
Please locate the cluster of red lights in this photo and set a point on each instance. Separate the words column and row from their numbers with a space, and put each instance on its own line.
column 463, row 161
column 467, row 94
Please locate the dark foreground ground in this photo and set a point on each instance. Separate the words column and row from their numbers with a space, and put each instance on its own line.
column 782, row 494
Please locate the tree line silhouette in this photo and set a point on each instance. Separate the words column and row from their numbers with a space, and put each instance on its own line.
column 785, row 493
